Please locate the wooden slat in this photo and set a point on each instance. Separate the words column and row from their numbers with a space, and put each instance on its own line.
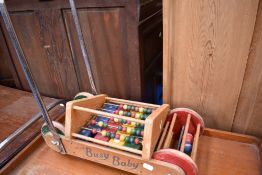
column 206, row 46
column 195, row 144
column 101, row 142
column 163, row 136
column 248, row 118
column 182, row 147
column 169, row 137
column 108, row 114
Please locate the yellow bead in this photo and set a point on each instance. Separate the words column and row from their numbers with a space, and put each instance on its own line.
column 103, row 133
column 121, row 112
column 116, row 119
column 100, row 123
column 133, row 123
column 129, row 130
column 141, row 109
column 137, row 116
column 125, row 107
column 122, row 137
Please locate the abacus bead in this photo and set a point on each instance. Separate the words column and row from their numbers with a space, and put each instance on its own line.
column 127, row 139
column 128, row 107
column 133, row 131
column 138, row 132
column 124, row 121
column 121, row 106
column 137, row 109
column 125, row 107
column 129, row 122
column 94, row 130
column 121, row 112
column 117, row 136
column 137, row 141
column 116, row 112
column 124, row 129
column 142, row 117
column 132, row 108
column 131, row 139
column 142, row 133
column 137, row 115
column 188, row 148
column 133, row 123
column 141, row 109
column 120, row 120
column 129, row 114
column 189, row 138
column 122, row 138
column 128, row 130
column 108, row 134
column 125, row 113
column 100, row 123
column 104, row 124
column 93, row 122
column 133, row 114
column 111, row 118
column 145, row 110
column 112, row 135
column 149, row 111
column 120, row 128
column 116, row 119
column 103, row 133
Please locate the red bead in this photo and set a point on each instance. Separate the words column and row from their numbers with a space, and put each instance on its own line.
column 94, row 130
column 189, row 138
column 124, row 129
column 128, row 122
column 93, row 122
column 117, row 136
column 133, row 114
column 121, row 106
column 116, row 112
column 111, row 118
column 137, row 141
column 137, row 109
column 142, row 133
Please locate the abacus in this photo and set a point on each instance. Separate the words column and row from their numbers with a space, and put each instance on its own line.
column 137, row 137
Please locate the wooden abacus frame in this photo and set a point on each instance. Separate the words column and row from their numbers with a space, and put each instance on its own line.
column 78, row 112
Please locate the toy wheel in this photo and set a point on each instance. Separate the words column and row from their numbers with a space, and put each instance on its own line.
column 81, row 95
column 60, row 129
column 177, row 158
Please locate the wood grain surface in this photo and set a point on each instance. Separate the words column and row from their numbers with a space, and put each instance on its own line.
column 248, row 117
column 206, row 46
column 16, row 108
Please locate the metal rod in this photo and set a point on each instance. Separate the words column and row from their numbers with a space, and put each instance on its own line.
column 26, row 125
column 28, row 74
column 83, row 47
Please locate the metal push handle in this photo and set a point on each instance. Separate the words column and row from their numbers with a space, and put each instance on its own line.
column 83, row 47
column 28, row 74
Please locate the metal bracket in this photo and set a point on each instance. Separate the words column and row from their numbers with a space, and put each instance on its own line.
column 22, row 60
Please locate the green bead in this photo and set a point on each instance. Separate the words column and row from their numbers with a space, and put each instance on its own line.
column 104, row 124
column 108, row 134
column 138, row 132
column 149, row 111
column 145, row 110
column 132, row 108
column 125, row 113
column 128, row 107
column 133, row 131
column 127, row 139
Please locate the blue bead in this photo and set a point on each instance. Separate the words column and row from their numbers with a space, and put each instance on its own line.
column 86, row 132
column 188, row 148
column 132, row 139
column 112, row 135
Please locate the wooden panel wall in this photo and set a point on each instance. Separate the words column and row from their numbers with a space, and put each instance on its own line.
column 207, row 60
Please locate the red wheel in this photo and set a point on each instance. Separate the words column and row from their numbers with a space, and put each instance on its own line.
column 177, row 158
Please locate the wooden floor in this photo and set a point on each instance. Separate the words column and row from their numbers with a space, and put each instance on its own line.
column 17, row 107
column 216, row 156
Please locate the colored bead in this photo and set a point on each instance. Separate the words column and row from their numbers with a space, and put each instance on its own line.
column 189, row 138
column 120, row 128
column 131, row 139
column 121, row 112
column 133, row 123
column 125, row 113
column 112, row 135
column 145, row 110
column 104, row 125
column 111, row 118
column 137, row 116
column 188, row 148
column 141, row 110
column 132, row 108
column 149, row 111
column 137, row 141
column 116, row 112
column 100, row 123
column 133, row 131
column 108, row 134
column 93, row 122
column 94, row 130
column 143, row 117
column 137, row 109
column 121, row 106
column 124, row 121
column 125, row 107
column 142, row 133
column 120, row 120
column 117, row 136
column 103, row 133
column 122, row 138
column 133, row 114
column 116, row 119
column 129, row 107
column 124, row 129
column 128, row 130
column 138, row 132
column 127, row 139
column 129, row 114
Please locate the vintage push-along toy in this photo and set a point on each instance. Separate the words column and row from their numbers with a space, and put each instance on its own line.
column 136, row 137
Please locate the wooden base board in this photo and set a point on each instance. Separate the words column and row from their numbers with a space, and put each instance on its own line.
column 217, row 154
